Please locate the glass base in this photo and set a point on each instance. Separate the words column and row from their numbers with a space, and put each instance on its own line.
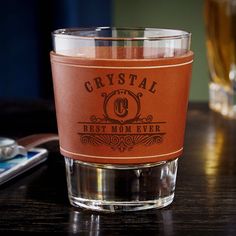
column 120, row 206
column 222, row 100
column 118, row 188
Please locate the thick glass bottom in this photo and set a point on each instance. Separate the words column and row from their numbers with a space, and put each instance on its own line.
column 120, row 206
column 222, row 100
column 117, row 188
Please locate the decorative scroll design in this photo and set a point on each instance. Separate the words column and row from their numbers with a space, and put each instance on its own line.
column 96, row 120
column 144, row 120
column 121, row 109
column 120, row 114
column 122, row 142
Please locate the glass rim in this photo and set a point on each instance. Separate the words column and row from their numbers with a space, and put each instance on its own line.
column 176, row 33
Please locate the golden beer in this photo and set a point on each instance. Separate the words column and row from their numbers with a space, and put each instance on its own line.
column 220, row 21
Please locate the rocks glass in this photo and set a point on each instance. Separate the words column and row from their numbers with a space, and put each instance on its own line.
column 121, row 99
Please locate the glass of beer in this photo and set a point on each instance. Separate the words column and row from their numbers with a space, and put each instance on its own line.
column 121, row 99
column 220, row 21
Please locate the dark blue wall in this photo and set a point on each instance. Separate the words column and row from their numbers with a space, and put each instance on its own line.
column 26, row 40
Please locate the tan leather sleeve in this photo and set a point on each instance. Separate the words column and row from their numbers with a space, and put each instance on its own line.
column 121, row 111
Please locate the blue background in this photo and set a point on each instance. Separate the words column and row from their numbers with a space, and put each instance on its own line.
column 26, row 28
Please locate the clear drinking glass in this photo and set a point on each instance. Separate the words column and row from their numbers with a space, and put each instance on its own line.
column 121, row 99
column 220, row 19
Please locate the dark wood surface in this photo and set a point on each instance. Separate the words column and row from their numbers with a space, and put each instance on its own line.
column 205, row 198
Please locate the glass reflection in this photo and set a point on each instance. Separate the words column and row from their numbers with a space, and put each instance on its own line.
column 96, row 224
column 213, row 149
column 84, row 222
column 219, row 160
column 167, row 222
column 219, row 146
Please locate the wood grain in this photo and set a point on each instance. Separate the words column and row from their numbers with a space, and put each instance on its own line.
column 205, row 199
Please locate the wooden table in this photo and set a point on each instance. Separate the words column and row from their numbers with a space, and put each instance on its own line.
column 205, row 200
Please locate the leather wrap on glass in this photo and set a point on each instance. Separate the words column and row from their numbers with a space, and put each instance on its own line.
column 124, row 111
